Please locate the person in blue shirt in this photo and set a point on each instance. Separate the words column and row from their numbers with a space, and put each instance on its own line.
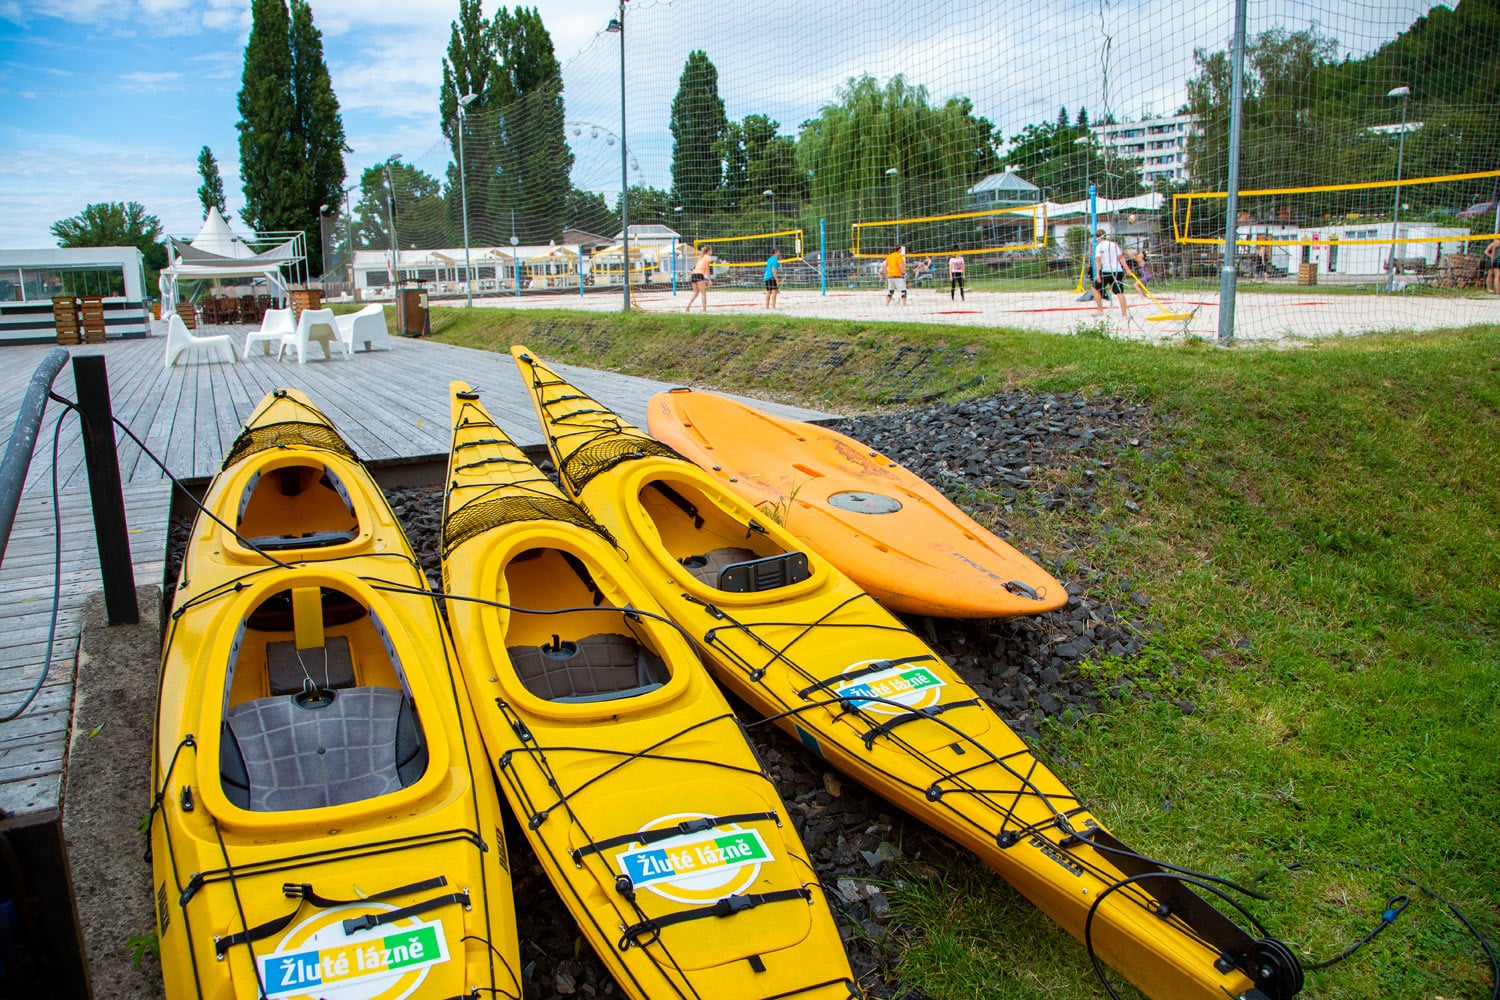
column 773, row 285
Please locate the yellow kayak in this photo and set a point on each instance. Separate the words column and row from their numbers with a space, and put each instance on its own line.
column 889, row 530
column 324, row 823
column 624, row 764
column 800, row 643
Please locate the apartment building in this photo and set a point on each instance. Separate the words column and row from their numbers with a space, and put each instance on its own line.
column 1158, row 145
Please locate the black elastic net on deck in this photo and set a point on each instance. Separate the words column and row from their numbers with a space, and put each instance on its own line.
column 291, row 434
column 476, row 518
column 606, row 453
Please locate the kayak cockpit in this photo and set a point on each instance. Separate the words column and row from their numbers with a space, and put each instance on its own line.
column 706, row 540
column 605, row 657
column 296, row 504
column 316, row 709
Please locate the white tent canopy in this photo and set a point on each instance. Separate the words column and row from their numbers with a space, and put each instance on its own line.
column 218, row 252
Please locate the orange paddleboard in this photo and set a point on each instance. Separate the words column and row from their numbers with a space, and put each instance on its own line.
column 895, row 535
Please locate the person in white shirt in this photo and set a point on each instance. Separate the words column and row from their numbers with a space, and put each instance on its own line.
column 1110, row 267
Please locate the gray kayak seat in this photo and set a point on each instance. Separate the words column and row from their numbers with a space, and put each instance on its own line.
column 599, row 667
column 284, row 753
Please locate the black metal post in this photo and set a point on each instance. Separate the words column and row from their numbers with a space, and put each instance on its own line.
column 103, row 464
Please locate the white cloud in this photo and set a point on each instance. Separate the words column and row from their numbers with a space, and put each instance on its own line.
column 46, row 176
column 150, row 83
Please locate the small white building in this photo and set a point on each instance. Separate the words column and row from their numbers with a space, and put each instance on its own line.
column 1128, row 220
column 29, row 279
column 1365, row 248
column 492, row 270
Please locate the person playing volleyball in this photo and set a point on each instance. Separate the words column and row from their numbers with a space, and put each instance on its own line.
column 1110, row 268
column 702, row 278
column 895, row 275
column 773, row 282
column 956, row 276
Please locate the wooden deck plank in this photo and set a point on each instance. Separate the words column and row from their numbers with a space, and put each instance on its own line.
column 391, row 405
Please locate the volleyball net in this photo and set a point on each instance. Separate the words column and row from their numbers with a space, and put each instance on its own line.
column 995, row 231
column 754, row 250
column 977, row 128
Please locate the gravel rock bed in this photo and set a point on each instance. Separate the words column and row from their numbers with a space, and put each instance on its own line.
column 1003, row 457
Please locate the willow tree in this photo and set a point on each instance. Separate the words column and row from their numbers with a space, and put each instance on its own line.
column 848, row 152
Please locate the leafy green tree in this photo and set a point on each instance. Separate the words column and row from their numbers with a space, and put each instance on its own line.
column 698, row 127
column 1056, row 160
column 419, row 209
column 291, row 134
column 116, row 224
column 211, row 191
column 648, row 206
column 587, row 210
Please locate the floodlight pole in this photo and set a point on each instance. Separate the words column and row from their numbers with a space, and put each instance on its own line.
column 390, row 204
column 1229, row 272
column 618, row 25
column 1405, row 94
column 896, row 173
column 463, row 190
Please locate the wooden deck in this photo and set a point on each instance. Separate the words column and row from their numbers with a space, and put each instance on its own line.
column 392, row 407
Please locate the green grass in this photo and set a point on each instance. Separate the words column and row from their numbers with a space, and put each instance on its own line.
column 1318, row 538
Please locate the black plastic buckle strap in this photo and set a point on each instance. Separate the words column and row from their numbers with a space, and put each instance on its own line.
column 884, row 729
column 679, row 501
column 667, row 832
column 726, row 907
column 868, row 668
column 372, row 920
column 303, row 892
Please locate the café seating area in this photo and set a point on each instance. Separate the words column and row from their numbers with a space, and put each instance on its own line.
column 219, row 310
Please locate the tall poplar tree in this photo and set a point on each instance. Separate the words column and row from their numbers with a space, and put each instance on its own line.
column 291, row 134
column 319, row 131
column 471, row 67
column 269, row 160
column 211, row 191
column 698, row 126
column 535, row 156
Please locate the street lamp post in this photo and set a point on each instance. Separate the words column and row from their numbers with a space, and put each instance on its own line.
column 768, row 193
column 323, row 244
column 463, row 192
column 390, row 206
column 617, row 25
column 896, row 173
column 1405, row 94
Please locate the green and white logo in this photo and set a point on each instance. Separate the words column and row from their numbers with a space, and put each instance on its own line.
column 907, row 687
column 317, row 959
column 698, row 867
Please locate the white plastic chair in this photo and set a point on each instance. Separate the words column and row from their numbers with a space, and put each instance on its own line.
column 274, row 327
column 365, row 327
column 318, row 325
column 180, row 339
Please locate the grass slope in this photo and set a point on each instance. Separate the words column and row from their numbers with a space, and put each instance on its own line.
column 1318, row 538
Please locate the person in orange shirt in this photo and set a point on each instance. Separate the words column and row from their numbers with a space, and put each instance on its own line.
column 702, row 278
column 895, row 275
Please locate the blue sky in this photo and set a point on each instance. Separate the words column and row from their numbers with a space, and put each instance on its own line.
column 111, row 100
